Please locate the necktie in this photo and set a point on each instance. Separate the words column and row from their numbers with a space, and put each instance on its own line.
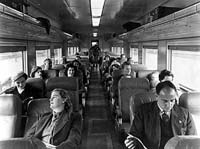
column 165, row 117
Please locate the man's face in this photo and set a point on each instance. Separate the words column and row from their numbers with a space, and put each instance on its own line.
column 127, row 70
column 20, row 83
column 166, row 99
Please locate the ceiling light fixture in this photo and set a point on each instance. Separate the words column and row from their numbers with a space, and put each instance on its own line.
column 96, row 9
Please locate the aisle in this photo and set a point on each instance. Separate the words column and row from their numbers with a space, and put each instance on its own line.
column 98, row 129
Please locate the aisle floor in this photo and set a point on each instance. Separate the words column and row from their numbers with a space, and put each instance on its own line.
column 98, row 129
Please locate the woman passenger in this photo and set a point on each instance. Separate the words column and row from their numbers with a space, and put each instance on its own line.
column 60, row 128
column 37, row 72
column 70, row 71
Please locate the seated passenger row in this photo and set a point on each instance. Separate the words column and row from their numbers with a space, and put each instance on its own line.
column 145, row 119
column 66, row 132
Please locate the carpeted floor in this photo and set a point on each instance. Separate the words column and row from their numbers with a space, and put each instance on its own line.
column 98, row 129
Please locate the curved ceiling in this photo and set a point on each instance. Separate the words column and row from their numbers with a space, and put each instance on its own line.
column 74, row 16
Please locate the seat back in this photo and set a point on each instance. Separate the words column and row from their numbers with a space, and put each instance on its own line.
column 139, row 99
column 58, row 67
column 10, row 116
column 138, row 67
column 144, row 73
column 183, row 142
column 36, row 108
column 128, row 87
column 70, row 84
column 21, row 143
column 39, row 84
column 191, row 101
column 116, row 76
column 50, row 73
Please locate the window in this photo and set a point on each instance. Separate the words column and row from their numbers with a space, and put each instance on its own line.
column 57, row 55
column 134, row 54
column 151, row 58
column 41, row 55
column 186, row 67
column 10, row 63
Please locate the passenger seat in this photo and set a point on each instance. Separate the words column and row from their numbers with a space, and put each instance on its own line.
column 10, row 116
column 191, row 101
column 36, row 109
column 183, row 142
column 39, row 84
column 128, row 87
column 67, row 83
column 139, row 99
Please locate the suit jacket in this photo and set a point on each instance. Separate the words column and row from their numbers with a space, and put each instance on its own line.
column 146, row 124
column 67, row 131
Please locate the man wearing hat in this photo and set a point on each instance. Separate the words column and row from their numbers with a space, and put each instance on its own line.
column 21, row 89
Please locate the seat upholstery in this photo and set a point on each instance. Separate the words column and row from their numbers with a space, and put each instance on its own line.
column 130, row 87
column 58, row 67
column 39, row 84
column 183, row 142
column 21, row 143
column 10, row 116
column 116, row 76
column 138, row 67
column 139, row 99
column 191, row 101
column 70, row 84
column 144, row 73
column 36, row 108
column 50, row 73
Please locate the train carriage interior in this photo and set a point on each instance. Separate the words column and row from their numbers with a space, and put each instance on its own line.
column 108, row 55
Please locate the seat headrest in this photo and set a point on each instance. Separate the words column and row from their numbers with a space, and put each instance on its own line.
column 58, row 67
column 116, row 73
column 145, row 97
column 144, row 73
column 191, row 101
column 21, row 143
column 10, row 104
column 68, row 83
column 38, row 107
column 137, row 67
column 50, row 73
column 183, row 142
column 132, row 83
column 36, row 82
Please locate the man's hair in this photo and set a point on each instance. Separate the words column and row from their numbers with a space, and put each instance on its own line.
column 164, row 73
column 165, row 85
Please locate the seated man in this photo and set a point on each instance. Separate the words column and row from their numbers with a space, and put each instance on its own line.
column 126, row 71
column 166, row 75
column 156, row 122
column 61, row 128
column 23, row 90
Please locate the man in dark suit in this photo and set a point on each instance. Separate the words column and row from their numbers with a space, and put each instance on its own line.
column 60, row 129
column 156, row 122
column 23, row 90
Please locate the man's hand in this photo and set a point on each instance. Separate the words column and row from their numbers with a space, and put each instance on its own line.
column 130, row 142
